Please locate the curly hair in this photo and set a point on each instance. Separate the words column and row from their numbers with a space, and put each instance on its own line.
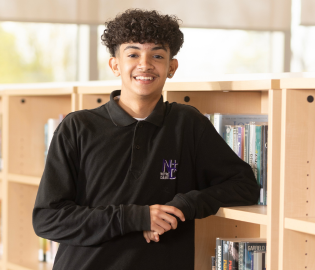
column 143, row 26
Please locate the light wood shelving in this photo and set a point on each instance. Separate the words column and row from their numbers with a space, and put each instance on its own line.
column 25, row 111
column 297, row 175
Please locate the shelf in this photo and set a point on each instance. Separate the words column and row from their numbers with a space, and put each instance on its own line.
column 40, row 266
column 304, row 225
column 254, row 214
column 23, row 179
column 40, row 91
column 298, row 83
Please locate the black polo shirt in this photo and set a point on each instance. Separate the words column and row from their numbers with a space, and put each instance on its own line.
column 103, row 170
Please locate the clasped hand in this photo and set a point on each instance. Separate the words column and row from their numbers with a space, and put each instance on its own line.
column 161, row 221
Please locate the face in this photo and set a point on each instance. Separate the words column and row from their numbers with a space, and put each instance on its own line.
column 143, row 68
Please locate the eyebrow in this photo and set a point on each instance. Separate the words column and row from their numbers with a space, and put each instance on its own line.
column 153, row 49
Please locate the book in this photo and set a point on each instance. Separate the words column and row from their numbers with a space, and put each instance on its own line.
column 213, row 267
column 264, row 144
column 225, row 254
column 258, row 260
column 233, row 255
column 218, row 254
column 246, row 144
column 257, row 165
column 249, row 248
column 241, row 248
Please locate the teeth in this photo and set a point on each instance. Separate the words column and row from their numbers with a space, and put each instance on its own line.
column 144, row 78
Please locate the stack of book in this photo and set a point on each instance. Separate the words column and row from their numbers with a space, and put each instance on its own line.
column 247, row 135
column 47, row 248
column 240, row 254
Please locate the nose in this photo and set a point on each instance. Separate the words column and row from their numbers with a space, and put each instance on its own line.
column 145, row 63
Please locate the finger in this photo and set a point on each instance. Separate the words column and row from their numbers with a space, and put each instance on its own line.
column 156, row 236
column 171, row 220
column 173, row 210
column 152, row 237
column 160, row 225
column 145, row 234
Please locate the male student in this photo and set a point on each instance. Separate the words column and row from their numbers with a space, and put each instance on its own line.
column 124, row 182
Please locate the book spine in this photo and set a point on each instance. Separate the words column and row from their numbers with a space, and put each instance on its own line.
column 213, row 267
column 243, row 142
column 230, row 255
column 258, row 157
column 252, row 259
column 217, row 123
column 265, row 165
column 225, row 254
column 241, row 256
column 228, row 134
column 234, row 254
column 249, row 248
column 235, row 140
column 246, row 146
column 252, row 146
column 239, row 141
column 263, row 127
column 218, row 265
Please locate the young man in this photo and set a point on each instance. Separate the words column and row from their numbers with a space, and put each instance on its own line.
column 136, row 169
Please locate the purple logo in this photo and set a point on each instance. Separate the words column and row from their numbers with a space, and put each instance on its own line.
column 168, row 169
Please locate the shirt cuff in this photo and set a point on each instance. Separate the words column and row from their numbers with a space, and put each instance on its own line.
column 181, row 203
column 136, row 218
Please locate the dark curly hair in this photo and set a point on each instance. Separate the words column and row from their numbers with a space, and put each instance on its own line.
column 143, row 26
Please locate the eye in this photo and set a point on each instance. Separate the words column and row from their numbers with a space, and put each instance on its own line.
column 158, row 56
column 132, row 55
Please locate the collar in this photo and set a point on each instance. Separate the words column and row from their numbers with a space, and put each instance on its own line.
column 121, row 118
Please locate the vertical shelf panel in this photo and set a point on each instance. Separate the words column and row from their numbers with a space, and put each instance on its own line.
column 273, row 176
column 26, row 129
column 297, row 177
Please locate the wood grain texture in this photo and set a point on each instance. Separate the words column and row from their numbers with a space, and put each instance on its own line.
column 26, row 129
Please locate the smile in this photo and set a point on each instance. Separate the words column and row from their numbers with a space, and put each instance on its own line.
column 144, row 78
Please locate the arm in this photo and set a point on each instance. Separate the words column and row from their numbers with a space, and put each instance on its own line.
column 222, row 179
column 57, row 217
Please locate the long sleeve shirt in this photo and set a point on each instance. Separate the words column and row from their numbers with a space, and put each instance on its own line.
column 103, row 171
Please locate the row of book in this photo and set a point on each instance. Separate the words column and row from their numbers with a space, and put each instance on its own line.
column 247, row 135
column 47, row 248
column 239, row 254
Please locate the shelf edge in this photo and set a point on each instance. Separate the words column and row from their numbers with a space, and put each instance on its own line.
column 242, row 215
column 299, row 225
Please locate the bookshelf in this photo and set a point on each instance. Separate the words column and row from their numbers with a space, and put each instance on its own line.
column 297, row 175
column 25, row 110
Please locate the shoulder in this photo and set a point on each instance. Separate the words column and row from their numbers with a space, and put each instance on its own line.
column 188, row 112
column 75, row 121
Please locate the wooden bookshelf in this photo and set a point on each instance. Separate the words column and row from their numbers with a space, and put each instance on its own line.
column 297, row 175
column 25, row 110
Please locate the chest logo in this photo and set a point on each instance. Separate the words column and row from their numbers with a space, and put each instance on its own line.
column 168, row 169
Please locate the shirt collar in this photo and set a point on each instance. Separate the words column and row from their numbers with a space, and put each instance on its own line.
column 121, row 118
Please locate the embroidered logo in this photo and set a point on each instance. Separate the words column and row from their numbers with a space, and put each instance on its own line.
column 168, row 169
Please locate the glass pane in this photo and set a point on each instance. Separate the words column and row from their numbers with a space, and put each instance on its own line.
column 37, row 52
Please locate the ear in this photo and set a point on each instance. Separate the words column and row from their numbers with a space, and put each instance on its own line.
column 172, row 68
column 114, row 66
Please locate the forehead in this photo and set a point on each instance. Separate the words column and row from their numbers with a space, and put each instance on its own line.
column 144, row 46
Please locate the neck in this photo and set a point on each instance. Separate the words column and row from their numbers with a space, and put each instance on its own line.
column 139, row 107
